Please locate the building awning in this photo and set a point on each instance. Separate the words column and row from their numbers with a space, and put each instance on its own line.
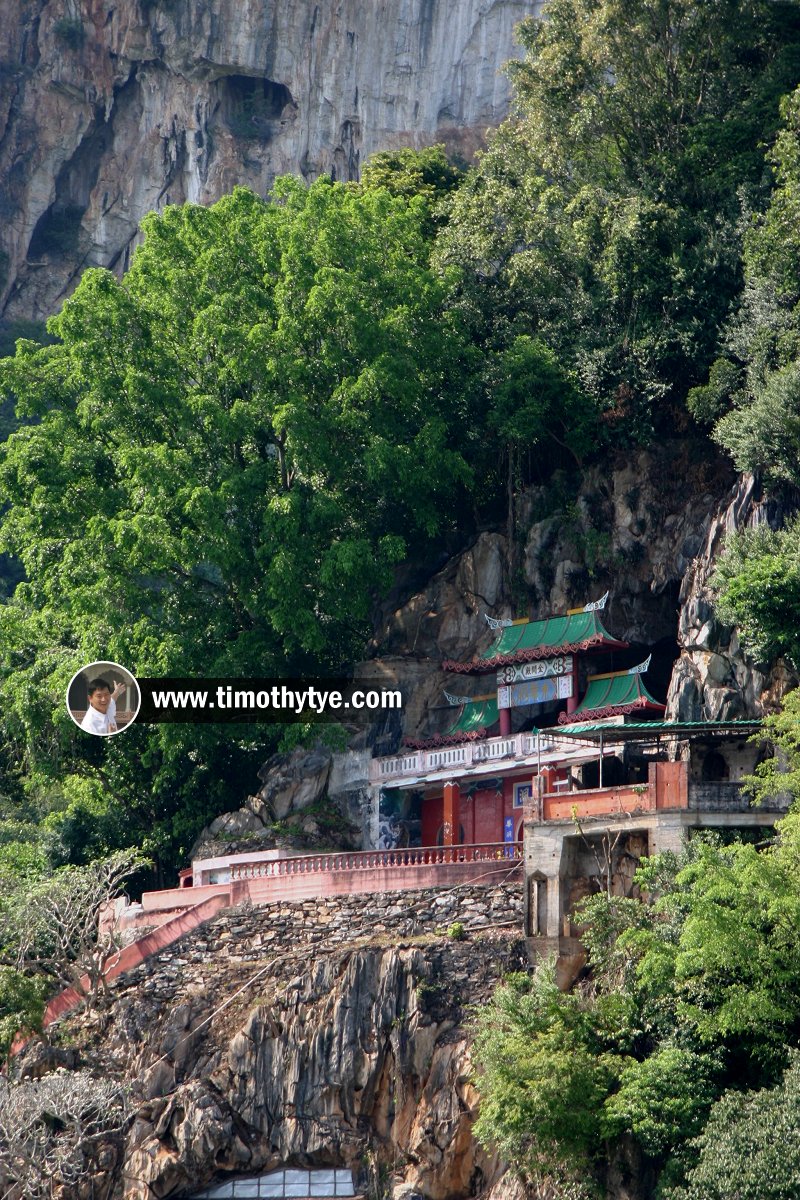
column 653, row 731
column 474, row 720
column 608, row 695
column 530, row 640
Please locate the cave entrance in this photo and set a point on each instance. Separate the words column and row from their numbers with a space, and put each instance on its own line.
column 250, row 107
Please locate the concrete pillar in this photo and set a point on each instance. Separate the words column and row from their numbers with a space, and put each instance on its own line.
column 450, row 814
column 544, row 848
column 371, row 819
column 667, row 832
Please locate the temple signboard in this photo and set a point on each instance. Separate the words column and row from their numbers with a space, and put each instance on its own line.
column 534, row 691
column 542, row 669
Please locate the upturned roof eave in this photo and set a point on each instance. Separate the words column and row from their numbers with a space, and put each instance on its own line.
column 483, row 666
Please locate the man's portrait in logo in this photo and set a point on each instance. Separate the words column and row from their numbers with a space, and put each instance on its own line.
column 102, row 698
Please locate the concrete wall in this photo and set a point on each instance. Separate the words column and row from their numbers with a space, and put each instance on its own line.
column 567, row 837
column 324, row 920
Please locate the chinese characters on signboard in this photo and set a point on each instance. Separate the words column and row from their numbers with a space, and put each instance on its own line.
column 542, row 669
column 534, row 691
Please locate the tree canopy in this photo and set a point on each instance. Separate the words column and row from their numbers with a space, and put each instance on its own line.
column 229, row 449
column 604, row 216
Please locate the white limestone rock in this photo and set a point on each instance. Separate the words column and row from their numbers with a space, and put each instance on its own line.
column 153, row 102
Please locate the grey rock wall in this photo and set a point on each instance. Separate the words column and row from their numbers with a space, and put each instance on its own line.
column 648, row 526
column 316, row 1033
column 110, row 110
column 714, row 678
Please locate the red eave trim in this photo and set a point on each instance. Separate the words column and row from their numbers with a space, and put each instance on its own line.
column 482, row 666
column 444, row 739
column 611, row 710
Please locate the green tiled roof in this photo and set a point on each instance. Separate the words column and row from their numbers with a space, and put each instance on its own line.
column 474, row 720
column 480, row 714
column 611, row 694
column 530, row 640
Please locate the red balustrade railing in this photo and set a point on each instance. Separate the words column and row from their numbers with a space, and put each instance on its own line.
column 365, row 860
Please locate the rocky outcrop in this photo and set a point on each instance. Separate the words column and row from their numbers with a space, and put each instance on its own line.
column 714, row 678
column 648, row 528
column 321, row 1033
column 291, row 782
column 292, row 810
column 444, row 620
column 632, row 529
column 108, row 111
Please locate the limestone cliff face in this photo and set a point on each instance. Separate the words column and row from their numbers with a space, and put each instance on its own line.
column 312, row 1034
column 715, row 678
column 648, row 527
column 112, row 108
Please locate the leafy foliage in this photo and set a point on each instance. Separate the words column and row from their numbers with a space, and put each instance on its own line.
column 779, row 775
column 693, row 992
column 590, row 223
column 427, row 175
column 750, row 1146
column 663, row 1100
column 22, row 1004
column 757, row 379
column 758, row 587
column 544, row 1077
column 60, row 925
column 231, row 448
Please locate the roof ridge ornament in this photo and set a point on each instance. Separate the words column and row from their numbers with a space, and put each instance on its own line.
column 595, row 605
column 642, row 667
column 498, row 623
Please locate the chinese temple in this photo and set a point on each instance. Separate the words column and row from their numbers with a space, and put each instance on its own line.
column 468, row 783
column 559, row 770
column 563, row 758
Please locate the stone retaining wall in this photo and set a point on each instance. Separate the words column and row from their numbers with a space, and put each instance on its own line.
column 307, row 928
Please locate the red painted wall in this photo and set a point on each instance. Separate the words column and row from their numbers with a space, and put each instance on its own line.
column 482, row 813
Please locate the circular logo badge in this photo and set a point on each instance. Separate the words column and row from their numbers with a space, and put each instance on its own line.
column 103, row 698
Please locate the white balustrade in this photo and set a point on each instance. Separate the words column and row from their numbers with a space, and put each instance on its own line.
column 363, row 860
column 456, row 758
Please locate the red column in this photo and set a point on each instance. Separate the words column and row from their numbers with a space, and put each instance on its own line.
column 450, row 815
column 572, row 701
column 505, row 722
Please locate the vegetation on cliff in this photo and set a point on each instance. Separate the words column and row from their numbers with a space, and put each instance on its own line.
column 226, row 452
column 683, row 1040
column 224, row 455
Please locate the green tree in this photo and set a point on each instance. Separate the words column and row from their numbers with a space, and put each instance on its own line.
column 757, row 583
column 779, row 775
column 544, row 1075
column 750, row 1147
column 694, row 990
column 757, row 379
column 534, row 408
column 662, row 1100
column 756, row 386
column 61, row 926
column 232, row 448
column 22, row 1003
column 426, row 174
column 604, row 216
